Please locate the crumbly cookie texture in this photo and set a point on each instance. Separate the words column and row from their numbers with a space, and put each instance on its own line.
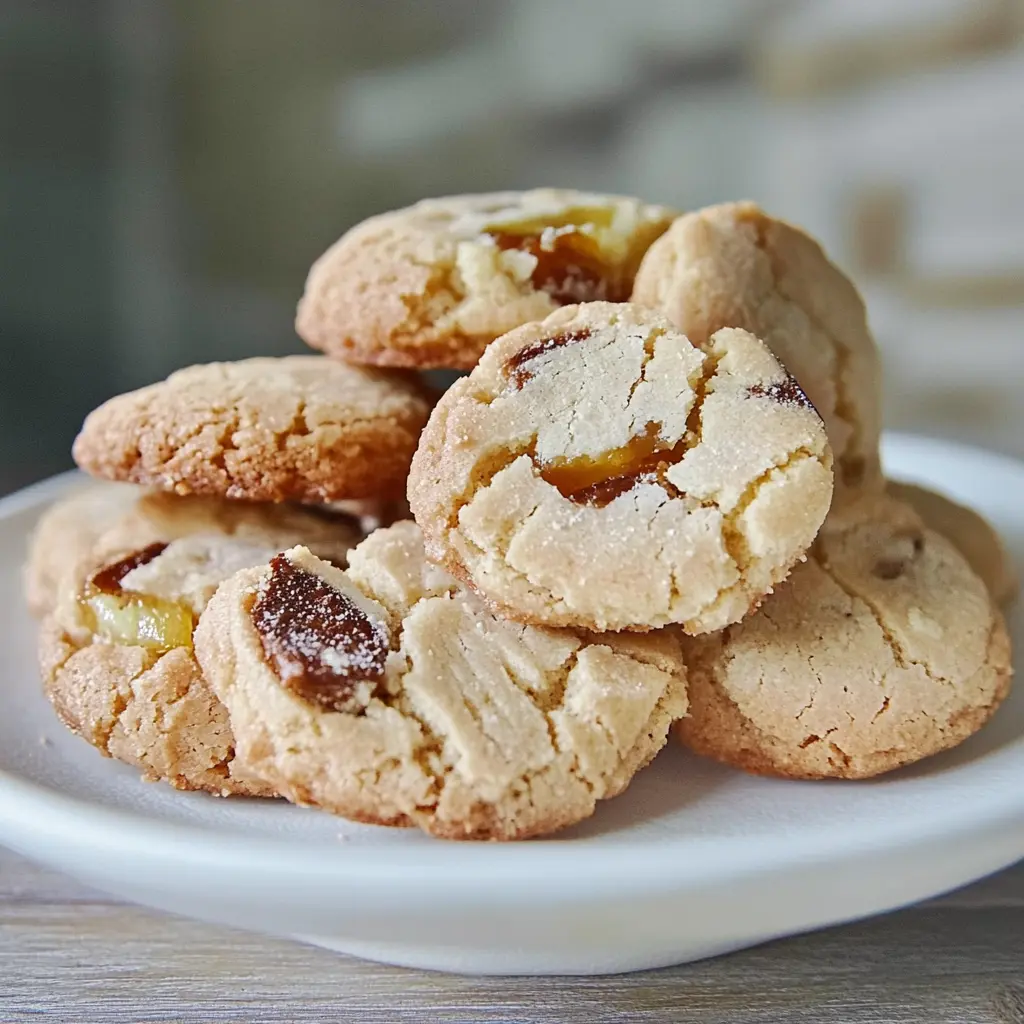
column 298, row 428
column 973, row 535
column 597, row 470
column 154, row 712
column 433, row 284
column 116, row 653
column 65, row 533
column 734, row 266
column 882, row 649
column 390, row 695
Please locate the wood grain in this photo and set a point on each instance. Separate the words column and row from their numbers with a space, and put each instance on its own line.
column 70, row 954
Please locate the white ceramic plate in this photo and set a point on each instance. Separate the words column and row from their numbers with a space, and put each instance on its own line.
column 694, row 860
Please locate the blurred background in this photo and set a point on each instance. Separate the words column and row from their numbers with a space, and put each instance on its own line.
column 168, row 170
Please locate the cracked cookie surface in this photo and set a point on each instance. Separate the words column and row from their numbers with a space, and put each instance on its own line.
column 734, row 266
column 297, row 428
column 433, row 284
column 389, row 694
column 116, row 652
column 882, row 649
column 598, row 470
column 973, row 535
column 65, row 533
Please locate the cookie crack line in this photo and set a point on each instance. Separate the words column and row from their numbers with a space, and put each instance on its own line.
column 813, row 738
column 903, row 659
column 504, row 546
column 710, row 681
column 440, row 773
column 158, row 466
column 220, row 767
column 561, row 686
column 649, row 343
column 651, row 464
column 728, row 525
column 122, row 700
column 695, row 418
column 692, row 438
column 299, row 427
column 731, row 533
column 121, row 697
column 882, row 710
column 574, row 768
column 845, row 404
column 483, row 479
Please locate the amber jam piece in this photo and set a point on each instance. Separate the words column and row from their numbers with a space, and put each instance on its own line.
column 139, row 620
column 517, row 368
column 319, row 642
column 597, row 481
column 583, row 253
column 570, row 265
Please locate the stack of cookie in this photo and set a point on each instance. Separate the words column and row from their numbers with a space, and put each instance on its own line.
column 219, row 468
column 655, row 503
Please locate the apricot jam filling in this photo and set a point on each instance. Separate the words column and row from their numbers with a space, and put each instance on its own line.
column 570, row 266
column 580, row 256
column 589, row 480
column 125, row 617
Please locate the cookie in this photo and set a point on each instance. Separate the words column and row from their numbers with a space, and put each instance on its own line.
column 65, row 533
column 390, row 695
column 973, row 535
column 116, row 653
column 433, row 284
column 598, row 470
column 299, row 428
column 882, row 649
column 734, row 266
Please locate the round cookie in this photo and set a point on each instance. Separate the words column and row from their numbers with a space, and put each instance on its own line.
column 299, row 428
column 598, row 470
column 65, row 532
column 734, row 266
column 116, row 653
column 388, row 694
column 433, row 284
column 973, row 535
column 882, row 649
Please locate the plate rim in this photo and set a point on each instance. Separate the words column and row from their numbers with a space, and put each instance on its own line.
column 32, row 810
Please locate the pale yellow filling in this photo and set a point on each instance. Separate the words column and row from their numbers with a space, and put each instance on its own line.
column 138, row 620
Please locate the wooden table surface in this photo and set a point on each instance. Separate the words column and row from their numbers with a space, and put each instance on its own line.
column 70, row 954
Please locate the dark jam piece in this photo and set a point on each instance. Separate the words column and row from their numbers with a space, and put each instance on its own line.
column 108, row 579
column 517, row 369
column 786, row 393
column 570, row 267
column 320, row 644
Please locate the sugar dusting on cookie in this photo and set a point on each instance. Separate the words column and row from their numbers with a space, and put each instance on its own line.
column 787, row 392
column 515, row 369
column 322, row 646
